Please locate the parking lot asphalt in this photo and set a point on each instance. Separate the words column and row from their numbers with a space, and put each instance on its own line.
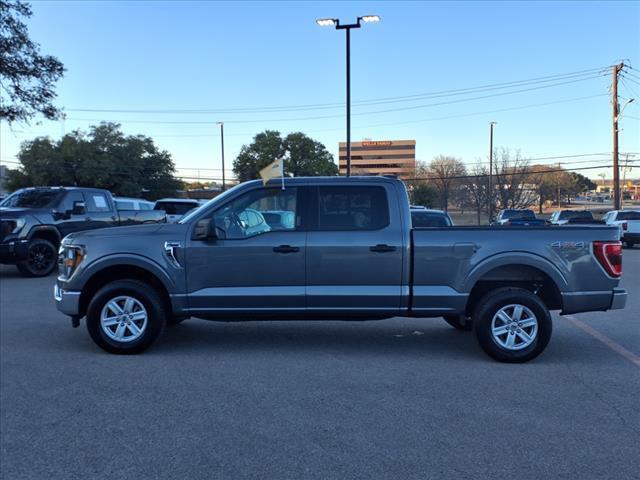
column 399, row 398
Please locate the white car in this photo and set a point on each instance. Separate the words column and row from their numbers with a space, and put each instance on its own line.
column 628, row 221
column 175, row 208
column 127, row 203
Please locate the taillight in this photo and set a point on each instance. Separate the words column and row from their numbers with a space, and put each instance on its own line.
column 609, row 254
column 624, row 226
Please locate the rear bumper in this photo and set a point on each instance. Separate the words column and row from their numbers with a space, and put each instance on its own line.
column 576, row 302
column 13, row 252
column 67, row 301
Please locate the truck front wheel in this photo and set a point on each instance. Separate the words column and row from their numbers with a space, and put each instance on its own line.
column 512, row 325
column 41, row 259
column 126, row 317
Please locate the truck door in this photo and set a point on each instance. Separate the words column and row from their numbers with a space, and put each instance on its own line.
column 68, row 219
column 101, row 213
column 355, row 250
column 252, row 266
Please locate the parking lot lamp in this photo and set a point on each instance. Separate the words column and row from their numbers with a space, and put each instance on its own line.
column 330, row 22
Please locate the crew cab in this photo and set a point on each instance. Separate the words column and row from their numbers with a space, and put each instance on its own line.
column 33, row 221
column 628, row 221
column 350, row 254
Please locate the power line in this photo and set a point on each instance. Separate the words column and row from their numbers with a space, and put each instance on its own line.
column 323, row 117
column 383, row 100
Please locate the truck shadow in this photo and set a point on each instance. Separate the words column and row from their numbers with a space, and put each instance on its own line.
column 395, row 337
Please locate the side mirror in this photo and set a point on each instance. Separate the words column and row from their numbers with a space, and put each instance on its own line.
column 78, row 208
column 203, row 230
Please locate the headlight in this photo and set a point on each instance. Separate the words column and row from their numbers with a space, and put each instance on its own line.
column 12, row 225
column 69, row 257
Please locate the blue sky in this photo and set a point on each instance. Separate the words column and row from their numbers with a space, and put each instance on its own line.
column 229, row 56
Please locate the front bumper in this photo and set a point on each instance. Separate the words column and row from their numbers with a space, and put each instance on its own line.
column 67, row 301
column 576, row 302
column 14, row 251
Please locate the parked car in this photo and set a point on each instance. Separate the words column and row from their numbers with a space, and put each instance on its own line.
column 628, row 221
column 518, row 217
column 351, row 254
column 424, row 217
column 562, row 217
column 279, row 219
column 34, row 220
column 127, row 203
column 175, row 208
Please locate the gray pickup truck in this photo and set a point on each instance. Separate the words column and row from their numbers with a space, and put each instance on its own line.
column 334, row 248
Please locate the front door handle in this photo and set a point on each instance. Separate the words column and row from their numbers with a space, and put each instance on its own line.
column 286, row 249
column 381, row 248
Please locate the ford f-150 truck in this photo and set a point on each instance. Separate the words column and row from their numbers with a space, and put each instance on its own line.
column 34, row 220
column 350, row 253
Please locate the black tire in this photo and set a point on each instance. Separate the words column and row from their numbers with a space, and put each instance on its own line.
column 490, row 305
column 142, row 293
column 42, row 259
column 459, row 322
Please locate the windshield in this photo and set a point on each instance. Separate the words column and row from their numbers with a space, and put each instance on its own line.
column 428, row 219
column 628, row 216
column 213, row 201
column 32, row 199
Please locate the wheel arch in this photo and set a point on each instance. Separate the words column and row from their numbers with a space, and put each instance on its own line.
column 45, row 232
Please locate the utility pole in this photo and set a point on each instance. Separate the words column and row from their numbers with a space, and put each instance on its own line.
column 490, row 193
column 616, row 168
column 222, row 146
column 558, row 184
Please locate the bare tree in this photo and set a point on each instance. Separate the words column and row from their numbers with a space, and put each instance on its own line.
column 446, row 172
column 478, row 188
column 514, row 185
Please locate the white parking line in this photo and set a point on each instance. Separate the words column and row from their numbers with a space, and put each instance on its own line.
column 616, row 347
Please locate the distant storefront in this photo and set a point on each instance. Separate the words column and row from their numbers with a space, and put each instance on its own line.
column 380, row 157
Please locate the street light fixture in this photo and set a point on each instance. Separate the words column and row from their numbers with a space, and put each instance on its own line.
column 331, row 22
column 222, row 148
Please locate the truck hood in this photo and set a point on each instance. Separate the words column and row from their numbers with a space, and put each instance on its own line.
column 131, row 231
column 13, row 212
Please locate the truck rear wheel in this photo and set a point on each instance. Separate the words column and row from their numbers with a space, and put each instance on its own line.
column 512, row 325
column 126, row 317
column 42, row 259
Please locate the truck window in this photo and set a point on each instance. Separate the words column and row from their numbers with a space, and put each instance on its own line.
column 67, row 202
column 247, row 215
column 97, row 202
column 125, row 205
column 352, row 208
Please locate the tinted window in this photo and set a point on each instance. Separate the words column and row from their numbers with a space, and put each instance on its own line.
column 32, row 199
column 628, row 216
column 429, row 219
column 97, row 202
column 69, row 199
column 352, row 208
column 247, row 215
column 577, row 214
column 175, row 208
column 525, row 214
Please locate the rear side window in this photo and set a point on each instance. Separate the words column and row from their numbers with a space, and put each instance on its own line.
column 352, row 208
column 97, row 202
column 125, row 205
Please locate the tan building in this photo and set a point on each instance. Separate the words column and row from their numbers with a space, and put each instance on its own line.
column 380, row 157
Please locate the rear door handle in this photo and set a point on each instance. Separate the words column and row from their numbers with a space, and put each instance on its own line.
column 286, row 249
column 381, row 248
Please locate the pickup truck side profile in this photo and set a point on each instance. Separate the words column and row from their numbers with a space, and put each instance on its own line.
column 350, row 254
column 33, row 221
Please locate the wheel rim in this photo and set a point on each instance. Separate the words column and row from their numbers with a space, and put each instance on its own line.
column 514, row 327
column 40, row 258
column 123, row 319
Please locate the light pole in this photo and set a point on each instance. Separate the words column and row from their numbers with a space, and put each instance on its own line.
column 490, row 193
column 222, row 147
column 329, row 22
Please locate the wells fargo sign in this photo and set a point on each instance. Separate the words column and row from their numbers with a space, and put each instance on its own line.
column 379, row 143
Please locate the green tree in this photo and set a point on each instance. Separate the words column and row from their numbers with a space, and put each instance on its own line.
column 27, row 77
column 103, row 158
column 423, row 193
column 303, row 156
